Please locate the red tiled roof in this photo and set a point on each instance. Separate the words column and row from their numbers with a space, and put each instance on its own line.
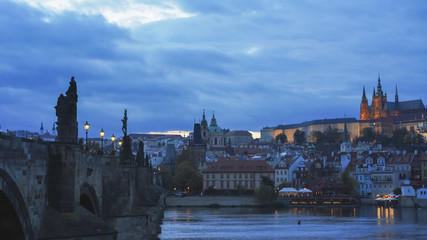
column 239, row 166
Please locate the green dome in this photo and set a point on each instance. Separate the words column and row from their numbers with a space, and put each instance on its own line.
column 215, row 129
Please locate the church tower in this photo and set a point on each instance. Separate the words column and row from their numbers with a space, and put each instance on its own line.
column 213, row 121
column 379, row 102
column 41, row 129
column 364, row 107
column 345, row 145
column 204, row 128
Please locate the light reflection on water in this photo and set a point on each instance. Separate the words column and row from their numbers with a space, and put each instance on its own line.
column 316, row 223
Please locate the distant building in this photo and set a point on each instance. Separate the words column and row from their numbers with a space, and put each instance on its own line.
column 238, row 138
column 382, row 116
column 230, row 174
column 353, row 127
column 380, row 107
column 170, row 158
column 281, row 173
column 213, row 135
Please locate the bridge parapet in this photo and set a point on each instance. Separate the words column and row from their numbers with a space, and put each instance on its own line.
column 25, row 162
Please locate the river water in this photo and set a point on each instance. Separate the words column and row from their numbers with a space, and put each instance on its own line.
column 368, row 222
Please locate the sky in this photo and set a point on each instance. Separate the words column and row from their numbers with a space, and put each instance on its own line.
column 254, row 63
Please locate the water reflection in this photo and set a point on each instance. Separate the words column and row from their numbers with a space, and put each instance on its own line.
column 316, row 223
column 385, row 215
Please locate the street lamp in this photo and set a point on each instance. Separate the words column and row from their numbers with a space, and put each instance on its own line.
column 87, row 130
column 113, row 138
column 102, row 140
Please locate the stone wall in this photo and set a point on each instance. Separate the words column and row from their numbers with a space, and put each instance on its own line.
column 44, row 182
column 412, row 202
column 25, row 162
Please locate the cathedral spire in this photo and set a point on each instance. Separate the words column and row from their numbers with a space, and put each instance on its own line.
column 364, row 94
column 373, row 95
column 379, row 88
column 396, row 97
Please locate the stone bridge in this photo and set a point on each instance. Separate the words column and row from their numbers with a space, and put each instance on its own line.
column 55, row 190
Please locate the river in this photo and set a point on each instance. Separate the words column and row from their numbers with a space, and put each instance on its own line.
column 368, row 222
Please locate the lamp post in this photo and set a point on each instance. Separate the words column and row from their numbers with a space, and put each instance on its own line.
column 87, row 130
column 102, row 140
column 113, row 138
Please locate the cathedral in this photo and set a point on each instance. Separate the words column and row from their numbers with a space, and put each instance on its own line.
column 380, row 107
column 212, row 136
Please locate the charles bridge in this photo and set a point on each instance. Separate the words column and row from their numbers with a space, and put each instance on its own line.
column 56, row 190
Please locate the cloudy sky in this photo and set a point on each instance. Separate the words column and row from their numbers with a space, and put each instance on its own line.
column 255, row 63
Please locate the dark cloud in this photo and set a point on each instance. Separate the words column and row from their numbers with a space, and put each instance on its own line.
column 255, row 63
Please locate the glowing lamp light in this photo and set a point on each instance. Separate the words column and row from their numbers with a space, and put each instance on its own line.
column 102, row 133
column 86, row 126
column 113, row 138
column 120, row 143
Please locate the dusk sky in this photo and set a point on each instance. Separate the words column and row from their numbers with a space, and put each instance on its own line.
column 255, row 63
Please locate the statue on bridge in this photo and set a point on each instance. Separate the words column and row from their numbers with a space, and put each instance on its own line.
column 125, row 123
column 126, row 156
column 66, row 111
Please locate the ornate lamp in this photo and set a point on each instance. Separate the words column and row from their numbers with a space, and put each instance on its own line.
column 87, row 130
column 113, row 138
column 102, row 140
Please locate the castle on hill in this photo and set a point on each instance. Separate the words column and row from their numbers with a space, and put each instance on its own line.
column 382, row 116
column 380, row 107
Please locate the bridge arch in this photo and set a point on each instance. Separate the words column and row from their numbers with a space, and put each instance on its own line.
column 89, row 200
column 14, row 210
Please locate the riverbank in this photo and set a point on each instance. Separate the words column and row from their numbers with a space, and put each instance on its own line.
column 212, row 201
column 251, row 201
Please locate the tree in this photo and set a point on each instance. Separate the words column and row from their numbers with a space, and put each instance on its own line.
column 166, row 176
column 332, row 135
column 187, row 177
column 367, row 134
column 398, row 137
column 282, row 137
column 264, row 194
column 267, row 181
column 318, row 137
column 299, row 137
column 348, row 183
column 189, row 155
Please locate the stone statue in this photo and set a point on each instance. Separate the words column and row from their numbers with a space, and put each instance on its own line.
column 66, row 111
column 125, row 123
column 126, row 157
column 140, row 161
column 146, row 160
